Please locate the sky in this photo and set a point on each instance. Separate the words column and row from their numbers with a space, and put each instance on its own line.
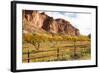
column 80, row 20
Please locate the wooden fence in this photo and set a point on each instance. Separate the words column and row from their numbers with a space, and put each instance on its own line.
column 58, row 55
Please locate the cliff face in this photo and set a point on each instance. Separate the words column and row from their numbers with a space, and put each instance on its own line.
column 33, row 20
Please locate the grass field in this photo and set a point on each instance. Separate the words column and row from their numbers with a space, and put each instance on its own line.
column 56, row 51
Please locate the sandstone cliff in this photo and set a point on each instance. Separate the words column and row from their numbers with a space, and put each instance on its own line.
column 36, row 21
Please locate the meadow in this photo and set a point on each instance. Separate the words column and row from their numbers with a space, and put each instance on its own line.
column 47, row 48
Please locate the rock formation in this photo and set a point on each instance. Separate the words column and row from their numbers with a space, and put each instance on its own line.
column 34, row 20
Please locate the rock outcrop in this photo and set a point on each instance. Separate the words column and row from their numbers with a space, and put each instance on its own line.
column 34, row 20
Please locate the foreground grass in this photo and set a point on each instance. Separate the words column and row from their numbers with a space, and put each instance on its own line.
column 61, row 51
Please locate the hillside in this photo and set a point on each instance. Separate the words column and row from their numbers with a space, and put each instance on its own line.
column 34, row 21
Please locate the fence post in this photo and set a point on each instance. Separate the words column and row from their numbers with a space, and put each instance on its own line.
column 75, row 54
column 28, row 53
column 58, row 54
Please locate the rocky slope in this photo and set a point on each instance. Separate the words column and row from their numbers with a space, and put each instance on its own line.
column 36, row 21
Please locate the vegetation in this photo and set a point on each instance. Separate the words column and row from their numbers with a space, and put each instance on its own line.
column 45, row 47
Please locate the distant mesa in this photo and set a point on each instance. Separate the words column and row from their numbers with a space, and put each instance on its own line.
column 36, row 21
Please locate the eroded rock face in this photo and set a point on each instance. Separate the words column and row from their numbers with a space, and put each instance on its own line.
column 67, row 28
column 33, row 20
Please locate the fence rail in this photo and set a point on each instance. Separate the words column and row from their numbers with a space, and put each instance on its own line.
column 59, row 54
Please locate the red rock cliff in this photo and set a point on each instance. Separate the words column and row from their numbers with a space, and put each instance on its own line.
column 34, row 20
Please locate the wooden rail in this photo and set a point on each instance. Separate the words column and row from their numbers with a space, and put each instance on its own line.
column 59, row 54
